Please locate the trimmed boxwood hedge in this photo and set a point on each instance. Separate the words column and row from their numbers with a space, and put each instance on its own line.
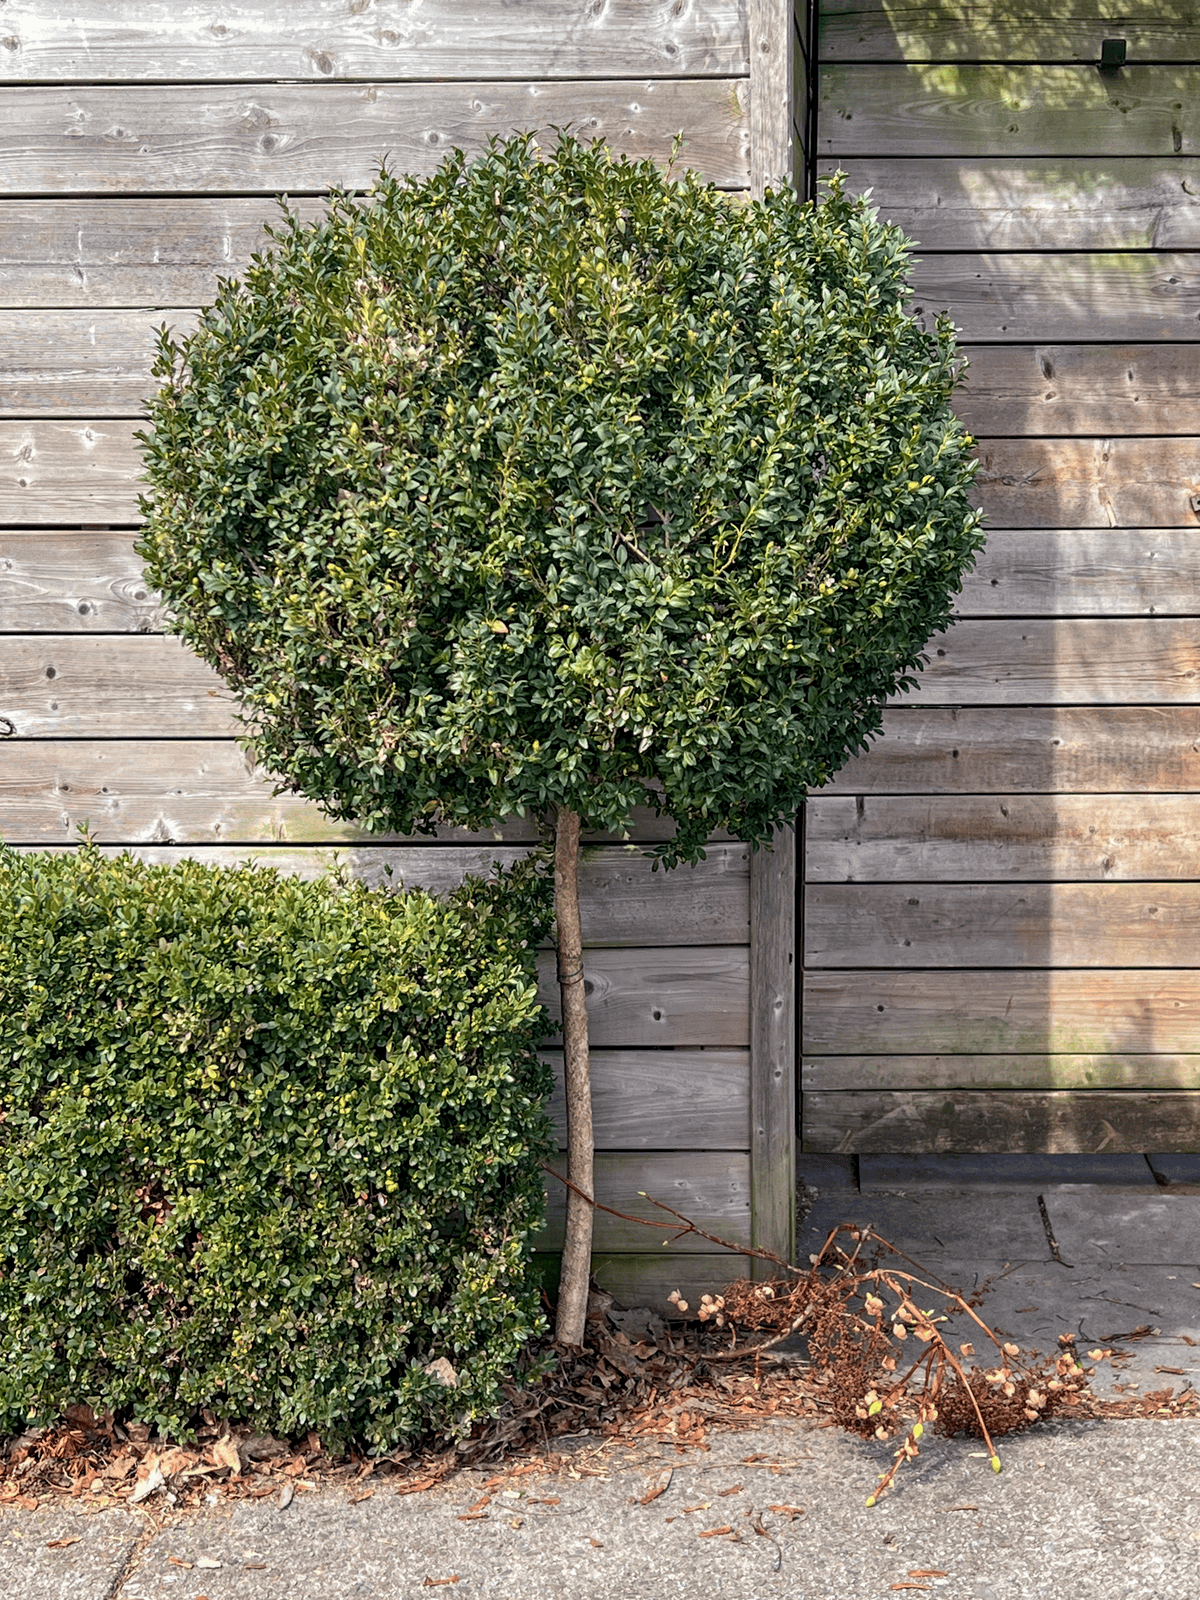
column 267, row 1147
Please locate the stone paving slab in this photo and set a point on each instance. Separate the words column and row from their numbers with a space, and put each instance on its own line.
column 1085, row 1511
column 1092, row 1225
column 993, row 1224
column 87, row 1569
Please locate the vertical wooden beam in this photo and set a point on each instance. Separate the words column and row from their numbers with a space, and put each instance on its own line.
column 773, row 1048
column 773, row 155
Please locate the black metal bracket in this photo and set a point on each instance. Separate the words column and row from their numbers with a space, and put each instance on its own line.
column 1112, row 56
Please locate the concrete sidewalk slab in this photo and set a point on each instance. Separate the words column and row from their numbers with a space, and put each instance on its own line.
column 1092, row 1225
column 993, row 1224
column 1089, row 1511
column 35, row 1566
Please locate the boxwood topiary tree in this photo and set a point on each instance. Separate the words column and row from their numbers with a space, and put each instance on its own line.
column 553, row 484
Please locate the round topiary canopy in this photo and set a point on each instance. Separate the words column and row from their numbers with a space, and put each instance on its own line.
column 558, row 481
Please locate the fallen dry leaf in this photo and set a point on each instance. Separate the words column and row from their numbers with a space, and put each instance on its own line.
column 960, row 1508
column 713, row 1533
column 596, row 1544
column 225, row 1454
column 178, row 1561
column 550, row 1500
column 286, row 1495
column 734, row 1488
column 356, row 1499
column 61, row 1544
column 659, row 1487
column 440, row 1583
column 1178, row 1371
column 788, row 1511
column 146, row 1486
column 417, row 1488
column 474, row 1516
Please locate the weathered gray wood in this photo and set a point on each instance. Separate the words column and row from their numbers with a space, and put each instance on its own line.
column 1101, row 483
column 92, row 254
column 646, row 1280
column 1080, row 389
column 995, row 203
column 85, row 581
column 309, row 137
column 1008, row 111
column 625, row 903
column 773, row 969
column 92, row 685
column 310, row 39
column 80, row 363
column 1062, row 661
column 1051, row 1123
column 58, row 474
column 711, row 1188
column 992, row 1013
column 199, row 791
column 1001, row 925
column 1036, row 749
column 1002, row 838
column 1084, row 572
column 771, row 38
column 1027, row 1072
column 652, row 998
column 55, row 473
column 1119, row 295
column 663, row 1099
column 947, row 30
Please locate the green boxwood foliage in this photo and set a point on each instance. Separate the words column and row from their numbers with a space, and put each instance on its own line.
column 549, row 481
column 269, row 1147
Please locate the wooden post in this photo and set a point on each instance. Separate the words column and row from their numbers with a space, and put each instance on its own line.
column 773, row 1048
column 773, row 153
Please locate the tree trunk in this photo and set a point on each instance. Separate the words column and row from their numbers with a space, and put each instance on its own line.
column 577, row 1244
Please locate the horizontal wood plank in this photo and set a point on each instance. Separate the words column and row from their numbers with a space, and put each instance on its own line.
column 1098, row 388
column 1029, row 749
column 1043, row 295
column 1063, row 572
column 663, row 1099
column 55, row 474
column 97, row 685
column 647, row 1280
column 87, row 580
column 1007, row 111
column 624, row 903
column 997, row 203
column 710, row 1188
column 1085, row 1013
column 1021, row 1072
column 80, row 363
column 1038, row 925
column 1002, row 838
column 1062, row 661
column 303, row 137
column 948, row 30
column 1052, row 1123
column 640, row 999
column 309, row 39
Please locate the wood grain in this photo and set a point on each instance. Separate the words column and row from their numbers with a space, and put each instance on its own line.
column 1087, row 1013
column 1002, row 925
column 1065, row 572
column 1021, row 748
column 957, row 30
column 1007, row 111
column 640, row 999
column 1002, row 838
column 711, row 1188
column 201, row 791
column 773, row 968
column 94, row 255
column 95, row 685
column 1122, row 295
column 80, row 363
column 624, row 902
column 56, row 473
column 1021, row 1072
column 309, row 39
column 663, row 1099
column 1062, row 661
column 1053, row 1122
column 277, row 137
column 774, row 157
column 997, row 203
column 1080, row 388
column 84, row 581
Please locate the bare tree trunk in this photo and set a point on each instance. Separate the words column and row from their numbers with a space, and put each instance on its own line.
column 577, row 1245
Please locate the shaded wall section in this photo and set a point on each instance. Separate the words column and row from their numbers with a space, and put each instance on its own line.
column 1003, row 896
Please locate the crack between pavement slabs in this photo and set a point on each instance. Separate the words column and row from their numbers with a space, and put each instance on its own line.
column 1050, row 1239
column 140, row 1545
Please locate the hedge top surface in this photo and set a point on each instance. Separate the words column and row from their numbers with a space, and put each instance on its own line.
column 551, row 478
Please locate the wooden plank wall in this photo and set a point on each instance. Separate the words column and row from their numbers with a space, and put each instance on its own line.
column 1003, row 896
column 141, row 148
